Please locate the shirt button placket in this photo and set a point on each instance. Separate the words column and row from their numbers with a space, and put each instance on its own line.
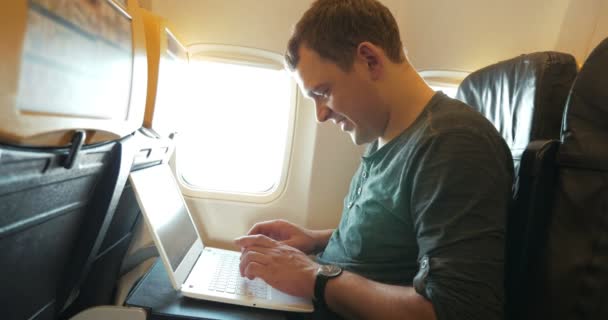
column 360, row 188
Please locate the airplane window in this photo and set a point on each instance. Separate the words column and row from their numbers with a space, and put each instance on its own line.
column 450, row 91
column 446, row 81
column 234, row 135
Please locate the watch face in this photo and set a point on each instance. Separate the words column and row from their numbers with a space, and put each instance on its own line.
column 330, row 270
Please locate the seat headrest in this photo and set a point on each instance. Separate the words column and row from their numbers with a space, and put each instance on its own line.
column 585, row 127
column 524, row 97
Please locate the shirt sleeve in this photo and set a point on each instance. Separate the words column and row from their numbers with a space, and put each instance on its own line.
column 459, row 200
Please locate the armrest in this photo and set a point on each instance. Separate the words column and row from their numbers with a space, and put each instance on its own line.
column 527, row 224
column 111, row 312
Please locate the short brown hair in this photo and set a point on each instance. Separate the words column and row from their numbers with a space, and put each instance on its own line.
column 334, row 29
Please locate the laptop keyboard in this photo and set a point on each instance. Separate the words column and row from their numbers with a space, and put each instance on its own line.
column 228, row 279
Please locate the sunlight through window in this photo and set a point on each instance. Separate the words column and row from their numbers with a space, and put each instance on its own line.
column 446, row 81
column 450, row 91
column 233, row 137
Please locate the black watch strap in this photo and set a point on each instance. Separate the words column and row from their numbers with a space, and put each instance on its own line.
column 324, row 274
column 320, row 285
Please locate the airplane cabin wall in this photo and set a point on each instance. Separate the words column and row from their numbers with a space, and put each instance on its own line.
column 467, row 35
column 439, row 35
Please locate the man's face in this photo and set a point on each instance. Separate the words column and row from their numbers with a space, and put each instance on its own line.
column 349, row 99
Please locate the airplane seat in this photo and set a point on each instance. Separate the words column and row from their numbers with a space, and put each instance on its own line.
column 126, row 247
column 99, row 286
column 70, row 100
column 575, row 282
column 49, row 213
column 524, row 98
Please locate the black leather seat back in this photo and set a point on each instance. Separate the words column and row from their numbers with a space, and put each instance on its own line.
column 98, row 286
column 49, row 215
column 524, row 97
column 576, row 283
column 585, row 125
column 527, row 228
column 99, row 221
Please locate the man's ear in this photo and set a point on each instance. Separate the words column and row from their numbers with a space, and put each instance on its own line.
column 371, row 56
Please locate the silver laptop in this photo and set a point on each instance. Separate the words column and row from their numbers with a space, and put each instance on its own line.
column 197, row 271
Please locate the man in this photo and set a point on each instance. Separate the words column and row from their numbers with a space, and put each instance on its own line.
column 422, row 229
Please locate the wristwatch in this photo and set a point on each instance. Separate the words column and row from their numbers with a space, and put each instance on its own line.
column 324, row 273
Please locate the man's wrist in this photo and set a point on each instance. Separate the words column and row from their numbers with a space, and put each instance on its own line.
column 321, row 238
column 325, row 273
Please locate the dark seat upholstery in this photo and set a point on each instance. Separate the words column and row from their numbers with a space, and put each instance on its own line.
column 57, row 199
column 575, row 285
column 97, row 286
column 524, row 97
column 51, row 218
column 99, row 222
column 527, row 227
column 64, row 232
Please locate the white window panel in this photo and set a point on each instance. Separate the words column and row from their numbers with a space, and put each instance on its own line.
column 235, row 136
column 450, row 91
column 446, row 81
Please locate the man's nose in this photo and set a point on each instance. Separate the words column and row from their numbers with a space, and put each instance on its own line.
column 323, row 112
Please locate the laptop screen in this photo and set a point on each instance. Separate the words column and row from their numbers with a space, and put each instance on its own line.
column 161, row 200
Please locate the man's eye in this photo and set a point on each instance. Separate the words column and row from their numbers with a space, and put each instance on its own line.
column 321, row 94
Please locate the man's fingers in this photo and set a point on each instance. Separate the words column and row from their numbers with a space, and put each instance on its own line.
column 259, row 240
column 289, row 242
column 264, row 227
column 255, row 270
column 271, row 228
column 250, row 256
column 256, row 229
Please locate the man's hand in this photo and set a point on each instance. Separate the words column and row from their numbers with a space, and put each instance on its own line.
column 281, row 266
column 307, row 241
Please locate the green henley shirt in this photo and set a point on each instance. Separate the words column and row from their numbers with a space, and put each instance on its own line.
column 429, row 209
